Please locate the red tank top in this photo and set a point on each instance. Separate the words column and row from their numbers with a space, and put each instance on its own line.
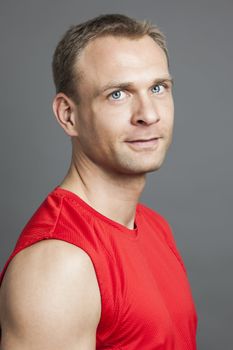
column 145, row 294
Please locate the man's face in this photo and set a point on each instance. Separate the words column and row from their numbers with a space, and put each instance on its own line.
column 125, row 112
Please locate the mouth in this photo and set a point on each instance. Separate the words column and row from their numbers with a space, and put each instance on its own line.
column 144, row 143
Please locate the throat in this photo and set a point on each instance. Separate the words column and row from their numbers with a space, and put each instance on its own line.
column 116, row 199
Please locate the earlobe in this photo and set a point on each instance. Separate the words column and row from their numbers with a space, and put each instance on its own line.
column 65, row 112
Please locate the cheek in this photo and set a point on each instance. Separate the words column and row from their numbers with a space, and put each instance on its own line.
column 100, row 131
column 111, row 119
column 168, row 110
column 167, row 117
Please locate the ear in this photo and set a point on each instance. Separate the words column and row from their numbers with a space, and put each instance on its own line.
column 66, row 113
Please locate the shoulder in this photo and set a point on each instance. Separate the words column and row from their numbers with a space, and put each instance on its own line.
column 50, row 254
column 50, row 260
column 152, row 214
column 49, row 281
column 158, row 221
column 56, row 218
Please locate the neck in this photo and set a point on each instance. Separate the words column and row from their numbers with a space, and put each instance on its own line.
column 113, row 195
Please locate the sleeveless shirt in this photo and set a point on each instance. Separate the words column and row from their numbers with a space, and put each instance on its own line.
column 146, row 301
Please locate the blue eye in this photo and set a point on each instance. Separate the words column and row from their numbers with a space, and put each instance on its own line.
column 116, row 95
column 157, row 89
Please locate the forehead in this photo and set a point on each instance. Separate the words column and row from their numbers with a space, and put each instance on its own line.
column 117, row 58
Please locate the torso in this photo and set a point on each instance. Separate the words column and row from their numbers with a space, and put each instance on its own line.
column 146, row 298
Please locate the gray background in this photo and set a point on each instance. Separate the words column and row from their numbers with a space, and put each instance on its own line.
column 193, row 189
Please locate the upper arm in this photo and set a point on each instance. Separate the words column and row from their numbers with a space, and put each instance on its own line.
column 50, row 299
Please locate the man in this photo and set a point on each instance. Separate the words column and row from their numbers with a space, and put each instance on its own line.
column 93, row 268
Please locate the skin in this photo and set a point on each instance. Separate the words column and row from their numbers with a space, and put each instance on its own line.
column 105, row 164
column 121, row 128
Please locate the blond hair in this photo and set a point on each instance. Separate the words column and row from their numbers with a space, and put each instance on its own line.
column 78, row 36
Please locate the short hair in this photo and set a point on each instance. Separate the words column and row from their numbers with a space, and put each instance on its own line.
column 78, row 36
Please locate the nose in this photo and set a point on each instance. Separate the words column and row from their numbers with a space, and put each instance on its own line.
column 145, row 111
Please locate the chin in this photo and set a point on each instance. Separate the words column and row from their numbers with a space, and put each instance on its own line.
column 142, row 163
column 135, row 168
column 148, row 169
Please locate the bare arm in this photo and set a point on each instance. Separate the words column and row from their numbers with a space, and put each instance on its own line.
column 50, row 299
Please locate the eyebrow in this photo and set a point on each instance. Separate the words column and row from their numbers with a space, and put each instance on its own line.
column 124, row 85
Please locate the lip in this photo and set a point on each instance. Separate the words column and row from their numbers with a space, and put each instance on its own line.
column 150, row 143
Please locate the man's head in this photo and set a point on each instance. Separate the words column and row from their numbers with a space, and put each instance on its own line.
column 66, row 71
column 116, row 99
